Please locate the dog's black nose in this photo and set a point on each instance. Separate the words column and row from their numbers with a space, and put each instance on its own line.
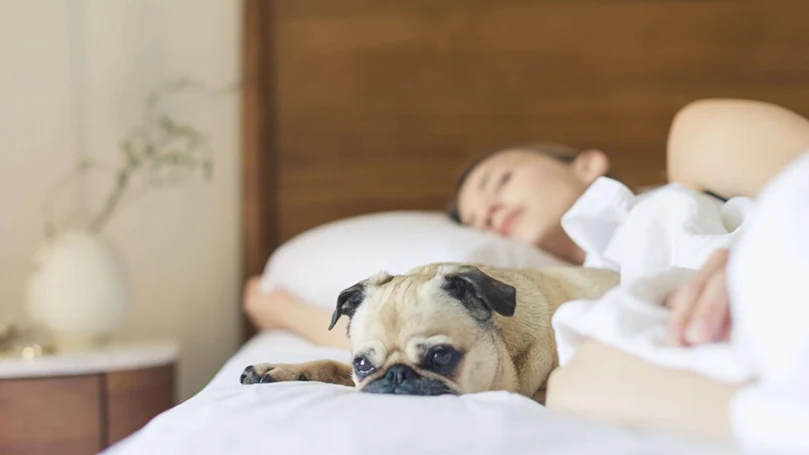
column 398, row 374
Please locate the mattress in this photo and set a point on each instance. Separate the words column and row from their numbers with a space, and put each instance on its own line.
column 316, row 418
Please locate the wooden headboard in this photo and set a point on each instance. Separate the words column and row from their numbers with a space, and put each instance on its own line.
column 355, row 106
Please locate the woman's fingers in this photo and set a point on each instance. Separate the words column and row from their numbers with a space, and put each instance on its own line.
column 724, row 334
column 710, row 313
column 683, row 301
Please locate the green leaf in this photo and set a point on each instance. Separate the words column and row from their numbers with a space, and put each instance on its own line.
column 175, row 158
column 194, row 141
column 174, row 129
column 132, row 159
column 186, row 131
column 167, row 124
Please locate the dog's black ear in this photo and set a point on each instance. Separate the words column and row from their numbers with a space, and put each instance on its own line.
column 480, row 293
column 347, row 302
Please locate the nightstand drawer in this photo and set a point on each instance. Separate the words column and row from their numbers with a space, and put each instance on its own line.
column 51, row 415
column 135, row 397
column 80, row 414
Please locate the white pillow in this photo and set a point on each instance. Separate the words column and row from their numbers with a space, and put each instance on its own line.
column 319, row 263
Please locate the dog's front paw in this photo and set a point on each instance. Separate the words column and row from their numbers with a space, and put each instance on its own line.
column 256, row 374
column 264, row 373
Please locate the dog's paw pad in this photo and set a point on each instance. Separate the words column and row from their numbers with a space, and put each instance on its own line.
column 252, row 375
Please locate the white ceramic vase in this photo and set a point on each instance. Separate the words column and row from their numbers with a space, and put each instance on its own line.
column 79, row 289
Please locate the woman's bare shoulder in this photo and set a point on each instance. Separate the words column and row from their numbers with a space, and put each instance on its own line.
column 733, row 146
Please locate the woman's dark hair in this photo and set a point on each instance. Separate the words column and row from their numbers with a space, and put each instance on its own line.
column 563, row 153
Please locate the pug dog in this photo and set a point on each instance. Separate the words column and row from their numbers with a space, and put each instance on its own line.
column 449, row 328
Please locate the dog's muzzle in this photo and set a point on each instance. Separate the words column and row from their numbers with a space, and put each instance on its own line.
column 403, row 380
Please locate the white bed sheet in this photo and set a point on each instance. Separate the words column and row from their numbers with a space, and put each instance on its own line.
column 314, row 418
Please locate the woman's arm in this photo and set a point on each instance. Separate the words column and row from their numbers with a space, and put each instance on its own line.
column 733, row 147
column 608, row 385
column 281, row 311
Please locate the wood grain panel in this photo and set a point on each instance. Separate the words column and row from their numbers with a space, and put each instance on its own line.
column 50, row 416
column 259, row 232
column 379, row 103
column 135, row 397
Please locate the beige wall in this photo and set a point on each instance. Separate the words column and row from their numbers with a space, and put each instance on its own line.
column 181, row 245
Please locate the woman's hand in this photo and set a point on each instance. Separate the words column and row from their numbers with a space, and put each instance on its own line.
column 264, row 309
column 280, row 310
column 700, row 310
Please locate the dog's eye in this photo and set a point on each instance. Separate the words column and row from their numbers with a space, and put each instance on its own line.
column 442, row 357
column 363, row 366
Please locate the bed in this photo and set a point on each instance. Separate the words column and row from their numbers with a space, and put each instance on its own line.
column 343, row 96
column 304, row 418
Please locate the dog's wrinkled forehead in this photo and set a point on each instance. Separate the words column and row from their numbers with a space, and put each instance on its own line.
column 416, row 287
column 436, row 287
column 378, row 279
column 399, row 291
column 400, row 308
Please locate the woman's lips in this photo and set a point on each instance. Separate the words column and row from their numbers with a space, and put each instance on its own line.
column 507, row 225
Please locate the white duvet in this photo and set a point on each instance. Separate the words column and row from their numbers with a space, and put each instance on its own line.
column 314, row 418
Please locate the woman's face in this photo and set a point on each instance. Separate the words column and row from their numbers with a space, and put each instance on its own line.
column 523, row 194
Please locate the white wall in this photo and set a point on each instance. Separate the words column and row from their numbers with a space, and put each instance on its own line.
column 35, row 133
column 180, row 244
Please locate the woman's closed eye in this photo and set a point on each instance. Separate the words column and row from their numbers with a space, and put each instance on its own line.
column 503, row 180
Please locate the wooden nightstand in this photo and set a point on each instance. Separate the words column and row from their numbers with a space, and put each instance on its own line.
column 82, row 402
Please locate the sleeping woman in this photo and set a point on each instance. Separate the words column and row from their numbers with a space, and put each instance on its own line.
column 723, row 147
column 524, row 192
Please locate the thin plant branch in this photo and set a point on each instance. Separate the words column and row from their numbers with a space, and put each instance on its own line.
column 160, row 146
column 83, row 168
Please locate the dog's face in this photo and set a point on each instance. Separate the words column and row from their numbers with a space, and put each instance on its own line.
column 429, row 333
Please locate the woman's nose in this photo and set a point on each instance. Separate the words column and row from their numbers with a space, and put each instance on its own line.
column 488, row 219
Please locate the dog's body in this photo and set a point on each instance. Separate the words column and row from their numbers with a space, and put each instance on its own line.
column 449, row 328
